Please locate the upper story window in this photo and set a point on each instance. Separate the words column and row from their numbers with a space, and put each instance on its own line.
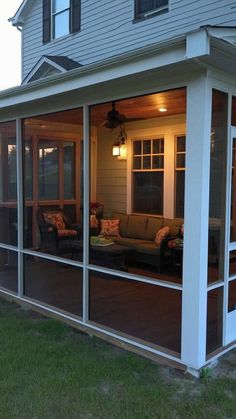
column 145, row 8
column 60, row 18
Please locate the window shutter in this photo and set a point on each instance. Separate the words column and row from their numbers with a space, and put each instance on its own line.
column 46, row 21
column 75, row 15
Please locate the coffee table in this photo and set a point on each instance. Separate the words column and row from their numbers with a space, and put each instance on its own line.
column 112, row 256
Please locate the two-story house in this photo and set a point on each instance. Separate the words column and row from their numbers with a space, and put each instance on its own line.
column 117, row 187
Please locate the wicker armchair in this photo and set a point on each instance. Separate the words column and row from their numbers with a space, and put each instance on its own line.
column 56, row 229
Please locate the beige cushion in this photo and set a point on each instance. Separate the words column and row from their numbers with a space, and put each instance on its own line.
column 137, row 226
column 153, row 225
column 161, row 235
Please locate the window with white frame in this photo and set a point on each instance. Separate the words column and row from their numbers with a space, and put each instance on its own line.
column 148, row 175
column 144, row 8
column 180, row 152
column 60, row 18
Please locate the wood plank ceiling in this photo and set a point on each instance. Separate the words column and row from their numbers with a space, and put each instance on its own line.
column 136, row 108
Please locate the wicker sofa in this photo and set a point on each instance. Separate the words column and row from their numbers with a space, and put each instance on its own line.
column 138, row 232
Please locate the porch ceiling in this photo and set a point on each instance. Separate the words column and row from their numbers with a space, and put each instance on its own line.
column 142, row 107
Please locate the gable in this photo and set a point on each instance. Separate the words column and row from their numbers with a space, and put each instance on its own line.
column 50, row 66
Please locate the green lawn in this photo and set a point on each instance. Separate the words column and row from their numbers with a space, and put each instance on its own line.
column 49, row 370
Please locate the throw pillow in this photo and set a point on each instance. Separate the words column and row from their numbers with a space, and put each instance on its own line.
column 110, row 228
column 55, row 218
column 161, row 234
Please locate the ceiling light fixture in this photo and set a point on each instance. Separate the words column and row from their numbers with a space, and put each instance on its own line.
column 162, row 109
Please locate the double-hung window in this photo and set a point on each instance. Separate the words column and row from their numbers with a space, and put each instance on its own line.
column 144, row 8
column 180, row 152
column 60, row 18
column 148, row 175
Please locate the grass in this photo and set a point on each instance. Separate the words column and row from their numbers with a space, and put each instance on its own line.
column 49, row 370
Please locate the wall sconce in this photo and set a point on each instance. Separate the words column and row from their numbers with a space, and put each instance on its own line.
column 116, row 149
column 119, row 148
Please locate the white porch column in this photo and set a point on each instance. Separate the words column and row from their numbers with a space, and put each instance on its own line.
column 20, row 205
column 194, row 300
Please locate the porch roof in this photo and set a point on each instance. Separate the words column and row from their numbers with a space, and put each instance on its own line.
column 208, row 47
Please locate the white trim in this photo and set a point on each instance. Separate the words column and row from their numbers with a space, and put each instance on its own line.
column 229, row 323
column 86, row 212
column 20, row 210
column 195, row 259
column 37, row 66
column 18, row 18
column 52, row 20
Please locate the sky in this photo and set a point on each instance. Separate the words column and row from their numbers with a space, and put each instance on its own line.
column 10, row 49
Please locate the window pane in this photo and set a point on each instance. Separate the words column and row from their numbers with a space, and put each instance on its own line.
column 8, row 185
column 232, row 263
column 53, row 175
column 61, row 24
column 158, row 162
column 214, row 319
column 62, row 289
column 28, row 169
column 145, row 5
column 137, row 147
column 129, row 193
column 48, row 171
column 58, row 5
column 158, row 146
column 137, row 309
column 12, row 185
column 69, row 170
column 147, row 162
column 179, row 194
column 148, row 192
column 9, row 270
column 233, row 118
column 180, row 161
column 232, row 296
column 148, row 5
column 233, row 194
column 137, row 163
column 181, row 144
column 147, row 147
column 217, row 186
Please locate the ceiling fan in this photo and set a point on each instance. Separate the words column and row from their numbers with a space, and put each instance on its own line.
column 115, row 119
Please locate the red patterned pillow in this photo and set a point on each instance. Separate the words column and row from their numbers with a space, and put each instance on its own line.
column 55, row 218
column 110, row 228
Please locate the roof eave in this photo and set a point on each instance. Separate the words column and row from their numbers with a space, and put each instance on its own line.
column 19, row 17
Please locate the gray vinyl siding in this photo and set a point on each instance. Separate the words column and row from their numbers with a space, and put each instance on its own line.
column 109, row 30
column 111, row 178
